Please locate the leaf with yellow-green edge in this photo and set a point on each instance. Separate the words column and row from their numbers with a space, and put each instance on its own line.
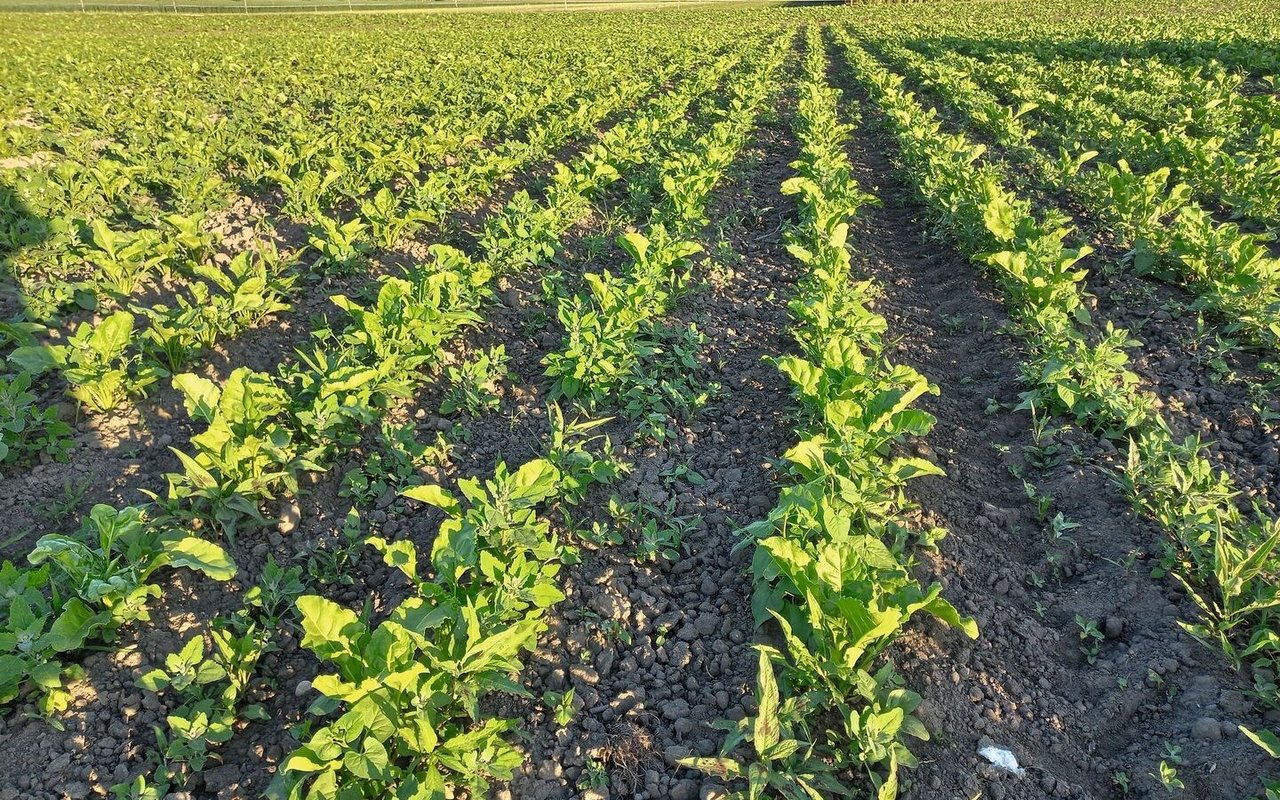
column 199, row 395
column 200, row 477
column 944, row 611
column 434, row 495
column 73, row 626
column 804, row 375
column 767, row 729
column 403, row 555
column 807, row 456
column 112, row 335
column 891, row 401
column 725, row 768
column 201, row 555
column 545, row 594
column 370, row 762
column 378, row 714
column 536, row 480
column 500, row 647
column 1265, row 739
column 420, row 736
column 322, row 748
column 757, row 781
column 789, row 556
column 904, row 469
column 829, row 567
column 454, row 550
column 328, row 629
column 336, row 688
column 998, row 214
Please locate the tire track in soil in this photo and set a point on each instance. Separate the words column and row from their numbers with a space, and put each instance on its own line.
column 646, row 702
column 1024, row 684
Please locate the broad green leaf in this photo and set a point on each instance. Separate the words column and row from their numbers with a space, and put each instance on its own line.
column 327, row 627
column 201, row 555
column 200, row 395
column 403, row 555
column 436, row 496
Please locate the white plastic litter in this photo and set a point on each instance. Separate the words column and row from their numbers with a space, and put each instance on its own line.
column 1002, row 758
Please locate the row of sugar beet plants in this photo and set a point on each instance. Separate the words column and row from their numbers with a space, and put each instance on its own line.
column 221, row 301
column 107, row 361
column 409, row 689
column 411, row 723
column 374, row 121
column 263, row 431
column 610, row 328
column 155, row 143
column 1168, row 233
column 831, row 562
column 1222, row 143
column 1224, row 556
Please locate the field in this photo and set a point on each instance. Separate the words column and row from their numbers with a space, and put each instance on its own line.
column 775, row 402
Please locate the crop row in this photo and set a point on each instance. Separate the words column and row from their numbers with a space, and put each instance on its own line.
column 1231, row 272
column 1225, row 556
column 106, row 362
column 315, row 148
column 114, row 358
column 462, row 631
column 831, row 561
column 610, row 330
column 1223, row 144
column 263, row 431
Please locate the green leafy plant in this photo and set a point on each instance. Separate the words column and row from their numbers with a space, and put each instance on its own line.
column 331, row 561
column 340, row 244
column 26, row 429
column 243, row 457
column 561, row 706
column 782, row 760
column 36, row 627
column 84, row 587
column 1167, row 775
column 1091, row 638
column 474, row 383
column 95, row 360
column 275, row 592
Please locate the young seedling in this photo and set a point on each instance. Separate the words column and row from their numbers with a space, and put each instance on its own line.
column 1168, row 777
column 1091, row 638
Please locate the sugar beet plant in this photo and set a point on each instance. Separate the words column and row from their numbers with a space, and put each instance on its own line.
column 81, row 589
column 830, row 564
column 407, row 690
